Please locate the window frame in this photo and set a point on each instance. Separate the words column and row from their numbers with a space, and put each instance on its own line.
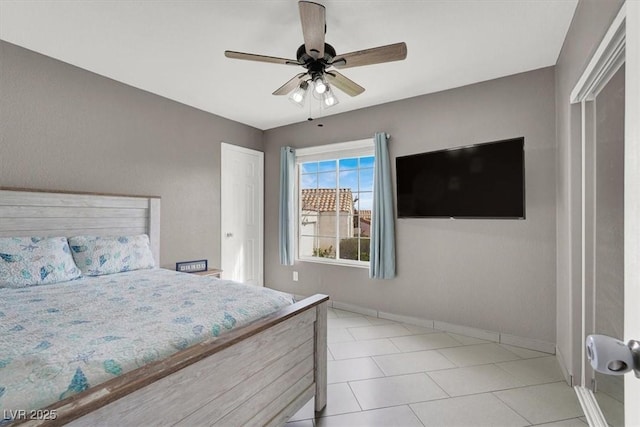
column 335, row 151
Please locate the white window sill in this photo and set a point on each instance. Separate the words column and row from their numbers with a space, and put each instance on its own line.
column 341, row 263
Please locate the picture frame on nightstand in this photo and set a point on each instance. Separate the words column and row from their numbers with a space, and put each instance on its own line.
column 192, row 266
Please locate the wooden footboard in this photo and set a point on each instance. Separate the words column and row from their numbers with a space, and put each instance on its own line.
column 259, row 375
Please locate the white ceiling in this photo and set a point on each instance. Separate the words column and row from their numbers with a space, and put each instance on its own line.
column 175, row 48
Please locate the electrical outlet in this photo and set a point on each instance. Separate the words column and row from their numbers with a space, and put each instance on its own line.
column 295, row 276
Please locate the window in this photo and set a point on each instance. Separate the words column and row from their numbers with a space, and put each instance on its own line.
column 335, row 198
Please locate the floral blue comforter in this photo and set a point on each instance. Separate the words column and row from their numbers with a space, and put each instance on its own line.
column 60, row 339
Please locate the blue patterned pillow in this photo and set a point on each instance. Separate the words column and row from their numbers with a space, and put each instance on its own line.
column 28, row 261
column 96, row 255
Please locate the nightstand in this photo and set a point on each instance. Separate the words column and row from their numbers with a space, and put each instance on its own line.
column 213, row 272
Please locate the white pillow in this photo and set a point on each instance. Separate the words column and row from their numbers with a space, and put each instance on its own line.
column 96, row 255
column 28, row 261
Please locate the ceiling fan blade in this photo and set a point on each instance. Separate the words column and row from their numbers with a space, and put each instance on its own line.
column 376, row 55
column 343, row 83
column 312, row 17
column 290, row 85
column 260, row 58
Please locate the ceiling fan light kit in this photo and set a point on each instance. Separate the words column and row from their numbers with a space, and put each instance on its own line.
column 320, row 61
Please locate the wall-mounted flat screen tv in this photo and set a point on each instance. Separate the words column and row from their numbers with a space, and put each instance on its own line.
column 477, row 181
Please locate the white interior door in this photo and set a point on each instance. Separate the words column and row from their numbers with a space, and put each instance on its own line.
column 242, row 214
column 632, row 204
column 620, row 45
column 604, row 234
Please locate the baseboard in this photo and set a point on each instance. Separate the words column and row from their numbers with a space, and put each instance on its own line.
column 425, row 323
column 354, row 308
column 563, row 367
column 468, row 331
column 530, row 343
column 514, row 340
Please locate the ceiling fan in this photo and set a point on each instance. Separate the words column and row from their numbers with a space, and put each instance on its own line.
column 320, row 60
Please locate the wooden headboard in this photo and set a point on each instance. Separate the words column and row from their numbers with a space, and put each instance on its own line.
column 26, row 212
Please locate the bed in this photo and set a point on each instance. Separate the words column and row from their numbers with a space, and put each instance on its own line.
column 227, row 369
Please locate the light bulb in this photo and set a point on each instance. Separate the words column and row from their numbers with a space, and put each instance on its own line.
column 320, row 85
column 329, row 99
column 298, row 95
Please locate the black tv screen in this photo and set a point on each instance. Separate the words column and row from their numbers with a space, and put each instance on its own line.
column 477, row 181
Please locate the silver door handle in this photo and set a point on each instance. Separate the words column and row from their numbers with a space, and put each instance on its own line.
column 613, row 357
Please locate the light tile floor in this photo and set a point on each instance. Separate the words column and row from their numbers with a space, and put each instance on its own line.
column 385, row 373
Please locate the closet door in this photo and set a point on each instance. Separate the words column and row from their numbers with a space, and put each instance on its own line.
column 242, row 214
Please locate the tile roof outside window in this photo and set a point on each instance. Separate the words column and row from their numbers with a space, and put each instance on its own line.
column 365, row 215
column 324, row 200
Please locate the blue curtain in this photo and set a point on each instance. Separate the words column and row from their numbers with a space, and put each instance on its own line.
column 382, row 263
column 287, row 205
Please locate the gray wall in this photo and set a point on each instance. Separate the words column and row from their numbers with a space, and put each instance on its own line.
column 493, row 274
column 590, row 22
column 64, row 128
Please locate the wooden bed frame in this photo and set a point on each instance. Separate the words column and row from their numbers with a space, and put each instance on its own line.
column 261, row 374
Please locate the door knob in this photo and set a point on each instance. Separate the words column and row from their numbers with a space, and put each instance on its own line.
column 613, row 357
column 229, row 234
